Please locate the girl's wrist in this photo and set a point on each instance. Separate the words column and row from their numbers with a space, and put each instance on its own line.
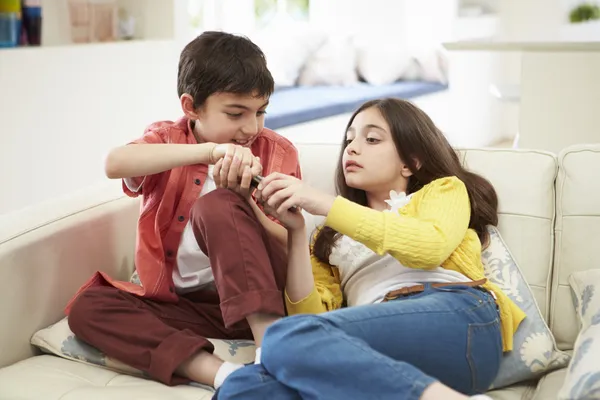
column 326, row 204
column 297, row 231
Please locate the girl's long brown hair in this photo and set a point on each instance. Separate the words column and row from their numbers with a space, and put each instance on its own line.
column 417, row 139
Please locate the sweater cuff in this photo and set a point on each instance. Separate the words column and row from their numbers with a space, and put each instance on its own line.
column 311, row 304
column 345, row 216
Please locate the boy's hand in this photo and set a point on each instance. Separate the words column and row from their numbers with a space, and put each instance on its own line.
column 235, row 168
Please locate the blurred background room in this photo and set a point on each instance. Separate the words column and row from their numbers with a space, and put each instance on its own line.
column 78, row 77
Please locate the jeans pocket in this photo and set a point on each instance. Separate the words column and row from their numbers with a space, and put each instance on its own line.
column 484, row 353
column 476, row 296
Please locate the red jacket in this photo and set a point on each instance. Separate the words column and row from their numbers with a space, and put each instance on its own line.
column 167, row 200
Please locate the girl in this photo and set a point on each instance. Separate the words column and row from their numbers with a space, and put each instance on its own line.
column 416, row 318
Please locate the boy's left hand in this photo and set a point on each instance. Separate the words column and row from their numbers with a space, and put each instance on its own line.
column 231, row 173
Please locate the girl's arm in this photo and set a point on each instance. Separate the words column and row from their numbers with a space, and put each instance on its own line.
column 423, row 238
column 312, row 287
column 300, row 280
column 275, row 230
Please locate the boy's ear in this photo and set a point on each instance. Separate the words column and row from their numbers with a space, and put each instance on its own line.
column 187, row 106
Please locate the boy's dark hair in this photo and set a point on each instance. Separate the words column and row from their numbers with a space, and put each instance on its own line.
column 221, row 62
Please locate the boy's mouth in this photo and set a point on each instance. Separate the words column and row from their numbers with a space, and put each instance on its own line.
column 242, row 142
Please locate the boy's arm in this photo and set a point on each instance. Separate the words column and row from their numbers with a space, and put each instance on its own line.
column 139, row 160
column 143, row 160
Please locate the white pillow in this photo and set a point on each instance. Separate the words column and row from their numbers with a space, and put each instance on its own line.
column 428, row 64
column 287, row 45
column 380, row 62
column 333, row 64
column 583, row 374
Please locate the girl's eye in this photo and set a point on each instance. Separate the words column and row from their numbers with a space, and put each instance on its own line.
column 234, row 115
column 372, row 140
column 348, row 141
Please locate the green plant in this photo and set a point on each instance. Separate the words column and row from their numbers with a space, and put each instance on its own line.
column 584, row 12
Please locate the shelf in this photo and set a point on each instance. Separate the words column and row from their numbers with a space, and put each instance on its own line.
column 477, row 27
column 154, row 20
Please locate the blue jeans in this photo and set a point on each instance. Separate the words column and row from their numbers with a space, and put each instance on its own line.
column 392, row 350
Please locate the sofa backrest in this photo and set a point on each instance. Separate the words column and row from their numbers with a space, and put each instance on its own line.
column 46, row 254
column 43, row 264
column 524, row 181
column 577, row 233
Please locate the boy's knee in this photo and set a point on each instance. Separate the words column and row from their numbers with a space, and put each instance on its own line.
column 214, row 202
column 86, row 309
column 215, row 205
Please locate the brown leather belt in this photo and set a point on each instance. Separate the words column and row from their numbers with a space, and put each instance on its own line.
column 405, row 291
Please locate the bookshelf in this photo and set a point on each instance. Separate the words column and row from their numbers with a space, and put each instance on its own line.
column 153, row 20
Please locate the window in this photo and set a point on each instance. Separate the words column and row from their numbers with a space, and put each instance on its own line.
column 237, row 15
column 266, row 10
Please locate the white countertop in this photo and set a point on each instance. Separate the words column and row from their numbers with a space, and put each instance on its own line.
column 530, row 46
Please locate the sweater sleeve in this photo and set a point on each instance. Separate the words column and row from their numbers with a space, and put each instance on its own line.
column 326, row 295
column 423, row 237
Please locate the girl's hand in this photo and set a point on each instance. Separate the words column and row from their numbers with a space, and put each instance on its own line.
column 292, row 219
column 282, row 192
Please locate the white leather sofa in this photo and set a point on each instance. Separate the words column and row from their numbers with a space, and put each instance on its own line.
column 549, row 217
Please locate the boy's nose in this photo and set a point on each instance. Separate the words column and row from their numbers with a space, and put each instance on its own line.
column 251, row 129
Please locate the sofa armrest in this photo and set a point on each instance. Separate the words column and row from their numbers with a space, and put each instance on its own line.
column 42, row 266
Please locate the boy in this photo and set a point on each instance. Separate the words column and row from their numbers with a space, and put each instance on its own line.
column 210, row 262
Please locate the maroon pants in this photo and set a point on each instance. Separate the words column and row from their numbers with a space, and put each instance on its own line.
column 249, row 270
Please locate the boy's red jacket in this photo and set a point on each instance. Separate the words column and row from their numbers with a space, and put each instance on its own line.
column 167, row 200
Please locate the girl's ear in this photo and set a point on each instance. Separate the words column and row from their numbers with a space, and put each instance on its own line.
column 406, row 172
column 187, row 106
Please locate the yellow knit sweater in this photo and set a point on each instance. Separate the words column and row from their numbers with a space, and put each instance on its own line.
column 430, row 231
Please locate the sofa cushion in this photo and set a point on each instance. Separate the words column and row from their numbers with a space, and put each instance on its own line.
column 577, row 233
column 534, row 353
column 58, row 339
column 583, row 375
column 520, row 391
column 549, row 385
column 52, row 378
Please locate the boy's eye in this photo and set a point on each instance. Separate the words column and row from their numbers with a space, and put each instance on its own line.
column 261, row 112
column 234, row 115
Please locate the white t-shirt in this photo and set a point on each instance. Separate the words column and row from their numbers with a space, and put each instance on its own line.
column 192, row 267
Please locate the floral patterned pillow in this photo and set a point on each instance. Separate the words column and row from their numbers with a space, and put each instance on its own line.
column 58, row 339
column 583, row 376
column 534, row 352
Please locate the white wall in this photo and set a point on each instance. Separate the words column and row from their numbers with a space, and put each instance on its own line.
column 530, row 20
column 416, row 21
column 63, row 108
